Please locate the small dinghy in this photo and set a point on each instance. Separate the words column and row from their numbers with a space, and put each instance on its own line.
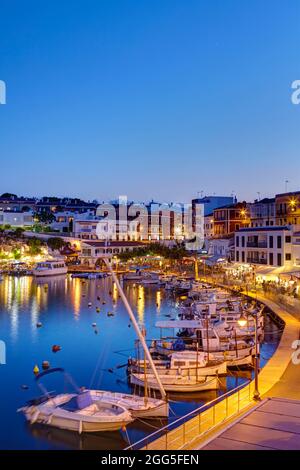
column 81, row 412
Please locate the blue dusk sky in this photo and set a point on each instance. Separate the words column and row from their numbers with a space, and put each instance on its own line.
column 149, row 98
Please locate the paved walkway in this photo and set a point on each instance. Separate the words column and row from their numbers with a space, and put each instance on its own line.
column 272, row 425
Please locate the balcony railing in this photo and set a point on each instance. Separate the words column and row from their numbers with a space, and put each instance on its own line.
column 257, row 261
column 257, row 244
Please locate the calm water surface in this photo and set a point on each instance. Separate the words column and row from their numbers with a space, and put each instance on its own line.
column 61, row 304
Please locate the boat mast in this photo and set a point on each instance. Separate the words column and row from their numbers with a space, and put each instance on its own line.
column 136, row 327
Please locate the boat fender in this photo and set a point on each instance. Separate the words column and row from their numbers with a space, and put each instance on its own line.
column 39, row 324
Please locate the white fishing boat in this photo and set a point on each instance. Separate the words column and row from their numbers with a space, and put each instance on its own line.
column 186, row 363
column 177, row 383
column 81, row 412
column 54, row 267
column 233, row 352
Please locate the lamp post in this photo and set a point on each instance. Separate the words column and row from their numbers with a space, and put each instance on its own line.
column 242, row 322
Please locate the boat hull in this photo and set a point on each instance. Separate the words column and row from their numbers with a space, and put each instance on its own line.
column 177, row 384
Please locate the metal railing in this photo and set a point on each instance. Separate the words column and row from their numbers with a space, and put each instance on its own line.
column 189, row 428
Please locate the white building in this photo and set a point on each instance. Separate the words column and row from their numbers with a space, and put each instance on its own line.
column 93, row 251
column 220, row 248
column 276, row 246
column 64, row 221
column 16, row 218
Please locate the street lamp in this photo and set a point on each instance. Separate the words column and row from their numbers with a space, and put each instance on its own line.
column 242, row 321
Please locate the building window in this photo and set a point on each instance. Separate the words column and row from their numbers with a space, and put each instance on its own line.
column 237, row 255
column 271, row 243
column 279, row 259
column 271, row 259
column 243, row 257
column 279, row 244
column 288, row 239
column 237, row 241
column 288, row 257
column 243, row 241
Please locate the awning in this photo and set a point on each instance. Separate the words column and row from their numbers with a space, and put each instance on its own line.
column 278, row 271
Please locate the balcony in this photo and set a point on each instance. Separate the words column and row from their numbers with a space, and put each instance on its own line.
column 257, row 261
column 257, row 244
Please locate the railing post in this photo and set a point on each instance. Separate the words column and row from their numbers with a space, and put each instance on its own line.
column 183, row 428
column 166, row 440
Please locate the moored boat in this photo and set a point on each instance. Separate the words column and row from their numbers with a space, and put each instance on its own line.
column 177, row 383
column 81, row 412
column 50, row 268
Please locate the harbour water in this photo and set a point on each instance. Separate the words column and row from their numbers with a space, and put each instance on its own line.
column 95, row 356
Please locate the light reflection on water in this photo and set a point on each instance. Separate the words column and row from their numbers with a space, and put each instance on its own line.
column 61, row 305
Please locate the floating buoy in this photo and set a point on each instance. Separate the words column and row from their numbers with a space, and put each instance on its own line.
column 89, row 304
column 39, row 324
column 56, row 348
column 96, row 331
column 110, row 314
column 103, row 303
column 97, row 309
column 36, row 370
column 94, row 325
column 129, row 326
column 45, row 365
column 24, row 387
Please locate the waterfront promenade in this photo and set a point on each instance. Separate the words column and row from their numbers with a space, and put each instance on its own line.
column 277, row 417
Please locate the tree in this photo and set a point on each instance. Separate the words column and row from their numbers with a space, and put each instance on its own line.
column 34, row 246
column 19, row 232
column 44, row 217
column 9, row 196
column 16, row 253
column 56, row 243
